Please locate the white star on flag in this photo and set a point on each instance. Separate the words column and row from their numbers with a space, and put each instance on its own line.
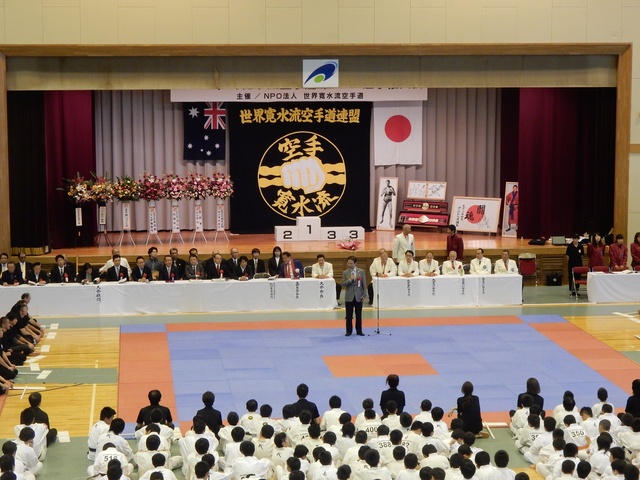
column 193, row 112
column 209, row 153
column 190, row 145
column 217, row 146
column 206, row 137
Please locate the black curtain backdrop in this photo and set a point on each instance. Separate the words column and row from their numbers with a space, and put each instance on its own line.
column 288, row 158
column 559, row 144
column 27, row 170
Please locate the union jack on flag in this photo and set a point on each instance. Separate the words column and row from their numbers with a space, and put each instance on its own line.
column 205, row 129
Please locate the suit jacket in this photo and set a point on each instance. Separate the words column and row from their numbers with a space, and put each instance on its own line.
column 164, row 275
column 28, row 266
column 377, row 268
column 252, row 268
column 273, row 268
column 112, row 277
column 11, row 278
column 326, row 269
column 82, row 274
column 56, row 277
column 135, row 273
column 355, row 290
column 31, row 277
column 193, row 271
column 297, row 264
column 234, row 270
column 425, row 268
column 241, row 273
column 511, row 267
column 212, row 272
column 180, row 264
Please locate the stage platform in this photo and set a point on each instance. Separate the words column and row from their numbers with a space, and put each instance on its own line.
column 550, row 258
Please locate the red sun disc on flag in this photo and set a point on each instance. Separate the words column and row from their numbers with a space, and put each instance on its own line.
column 475, row 214
column 397, row 128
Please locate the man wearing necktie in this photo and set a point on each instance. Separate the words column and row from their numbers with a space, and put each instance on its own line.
column 24, row 266
column 291, row 268
column 256, row 265
column 62, row 273
column 216, row 268
column 11, row 276
column 36, row 275
column 354, row 280
column 233, row 264
column 169, row 272
column 118, row 272
column 141, row 272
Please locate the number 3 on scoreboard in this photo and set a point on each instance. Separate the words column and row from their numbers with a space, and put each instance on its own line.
column 332, row 235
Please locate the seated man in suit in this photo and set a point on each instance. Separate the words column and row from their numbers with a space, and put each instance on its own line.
column 168, row 273
column 452, row 266
column 243, row 270
column 428, row 266
column 193, row 270
column 407, row 267
column 4, row 259
column 11, row 276
column 62, row 273
column 233, row 264
column 322, row 268
column 480, row 265
column 24, row 266
column 141, row 272
column 291, row 268
column 505, row 265
column 36, row 275
column 87, row 275
column 117, row 273
column 109, row 263
column 177, row 262
column 216, row 268
column 256, row 265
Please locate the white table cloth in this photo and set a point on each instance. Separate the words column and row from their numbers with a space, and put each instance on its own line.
column 613, row 287
column 442, row 291
column 183, row 296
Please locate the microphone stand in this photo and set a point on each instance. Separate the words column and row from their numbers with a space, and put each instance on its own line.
column 377, row 330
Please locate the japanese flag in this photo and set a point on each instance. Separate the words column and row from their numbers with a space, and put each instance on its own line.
column 397, row 128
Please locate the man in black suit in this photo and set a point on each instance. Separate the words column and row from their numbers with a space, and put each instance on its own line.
column 62, row 273
column 141, row 272
column 24, row 266
column 88, row 274
column 36, row 275
column 256, row 265
column 177, row 262
column 211, row 416
column 11, row 276
column 118, row 272
column 168, row 273
column 233, row 264
column 216, row 268
column 243, row 271
column 193, row 270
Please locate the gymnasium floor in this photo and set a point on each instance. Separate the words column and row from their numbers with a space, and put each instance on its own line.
column 115, row 361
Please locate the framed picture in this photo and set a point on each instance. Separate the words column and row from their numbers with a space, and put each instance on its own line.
column 510, row 210
column 416, row 189
column 437, row 191
column 387, row 203
column 476, row 214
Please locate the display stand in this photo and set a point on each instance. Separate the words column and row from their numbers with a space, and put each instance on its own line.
column 199, row 222
column 175, row 221
column 78, row 213
column 102, row 226
column 126, row 224
column 153, row 223
column 220, row 219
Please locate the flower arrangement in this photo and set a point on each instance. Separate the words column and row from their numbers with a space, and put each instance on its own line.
column 174, row 186
column 348, row 244
column 101, row 190
column 126, row 189
column 151, row 188
column 222, row 186
column 198, row 187
column 77, row 189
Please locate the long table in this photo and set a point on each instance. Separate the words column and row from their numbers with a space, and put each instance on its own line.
column 183, row 296
column 613, row 287
column 442, row 291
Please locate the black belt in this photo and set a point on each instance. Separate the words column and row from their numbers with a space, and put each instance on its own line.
column 92, row 449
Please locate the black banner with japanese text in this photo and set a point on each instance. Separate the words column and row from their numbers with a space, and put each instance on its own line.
column 289, row 160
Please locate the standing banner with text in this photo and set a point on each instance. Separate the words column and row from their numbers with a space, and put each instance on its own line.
column 291, row 160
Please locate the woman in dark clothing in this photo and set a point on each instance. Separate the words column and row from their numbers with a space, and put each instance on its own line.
column 392, row 394
column 633, row 402
column 533, row 389
column 468, row 407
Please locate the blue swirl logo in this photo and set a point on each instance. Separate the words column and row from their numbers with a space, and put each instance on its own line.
column 322, row 73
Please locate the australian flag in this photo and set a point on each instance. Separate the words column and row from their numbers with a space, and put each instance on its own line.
column 205, row 128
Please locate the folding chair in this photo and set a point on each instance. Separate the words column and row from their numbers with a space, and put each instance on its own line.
column 583, row 281
column 307, row 271
column 601, row 268
column 528, row 266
